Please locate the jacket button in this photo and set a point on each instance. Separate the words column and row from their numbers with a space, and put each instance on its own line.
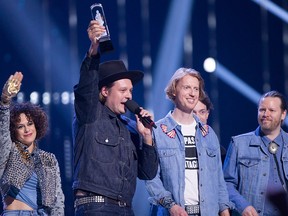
column 106, row 140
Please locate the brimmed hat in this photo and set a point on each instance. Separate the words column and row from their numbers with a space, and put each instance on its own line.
column 111, row 71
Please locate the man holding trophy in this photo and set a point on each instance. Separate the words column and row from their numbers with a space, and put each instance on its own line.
column 110, row 150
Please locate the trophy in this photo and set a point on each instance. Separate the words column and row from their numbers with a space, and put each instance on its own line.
column 105, row 43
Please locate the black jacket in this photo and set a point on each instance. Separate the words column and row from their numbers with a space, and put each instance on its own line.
column 108, row 151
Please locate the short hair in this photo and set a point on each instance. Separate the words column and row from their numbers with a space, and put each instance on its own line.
column 178, row 75
column 34, row 113
column 102, row 99
column 276, row 94
column 207, row 102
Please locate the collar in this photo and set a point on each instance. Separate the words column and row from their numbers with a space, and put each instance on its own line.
column 110, row 112
column 281, row 139
column 172, row 124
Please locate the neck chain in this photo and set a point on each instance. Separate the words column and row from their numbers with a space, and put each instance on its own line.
column 26, row 155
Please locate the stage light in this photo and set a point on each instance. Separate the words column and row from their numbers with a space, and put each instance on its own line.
column 72, row 97
column 67, row 157
column 34, row 97
column 20, row 97
column 146, row 61
column 209, row 65
column 46, row 98
column 65, row 97
column 56, row 98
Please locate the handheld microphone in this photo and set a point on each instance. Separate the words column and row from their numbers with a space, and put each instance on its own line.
column 135, row 108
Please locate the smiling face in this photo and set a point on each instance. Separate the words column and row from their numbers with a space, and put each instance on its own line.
column 117, row 95
column 25, row 130
column 187, row 93
column 270, row 115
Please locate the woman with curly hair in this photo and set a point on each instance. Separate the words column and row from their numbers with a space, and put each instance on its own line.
column 30, row 182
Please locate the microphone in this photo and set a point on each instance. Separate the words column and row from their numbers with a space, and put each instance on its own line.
column 135, row 108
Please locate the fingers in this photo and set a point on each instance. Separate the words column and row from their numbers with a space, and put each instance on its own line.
column 18, row 76
column 95, row 31
column 14, row 83
column 145, row 113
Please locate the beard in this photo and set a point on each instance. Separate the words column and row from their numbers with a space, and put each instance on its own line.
column 269, row 125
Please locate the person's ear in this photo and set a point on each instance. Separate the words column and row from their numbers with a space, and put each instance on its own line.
column 104, row 91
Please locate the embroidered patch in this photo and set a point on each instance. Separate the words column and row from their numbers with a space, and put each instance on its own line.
column 204, row 130
column 170, row 134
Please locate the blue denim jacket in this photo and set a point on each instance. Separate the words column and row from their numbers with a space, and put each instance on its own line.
column 246, row 170
column 170, row 178
column 108, row 151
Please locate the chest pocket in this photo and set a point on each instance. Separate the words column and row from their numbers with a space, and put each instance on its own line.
column 249, row 162
column 212, row 159
column 249, row 168
column 106, row 140
column 166, row 153
column 106, row 146
column 168, row 158
column 211, row 152
column 107, row 134
column 285, row 166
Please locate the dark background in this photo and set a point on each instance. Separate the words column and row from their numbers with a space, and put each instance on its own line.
column 47, row 39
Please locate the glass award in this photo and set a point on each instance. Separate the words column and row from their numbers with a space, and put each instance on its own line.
column 105, row 43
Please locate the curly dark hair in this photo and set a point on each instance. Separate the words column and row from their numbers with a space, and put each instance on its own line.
column 34, row 113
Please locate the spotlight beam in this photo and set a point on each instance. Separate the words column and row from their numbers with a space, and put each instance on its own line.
column 229, row 78
column 170, row 54
column 273, row 8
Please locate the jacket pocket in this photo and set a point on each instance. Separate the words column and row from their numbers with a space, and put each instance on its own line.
column 249, row 170
column 106, row 139
column 249, row 162
column 212, row 159
column 285, row 167
column 168, row 160
column 105, row 148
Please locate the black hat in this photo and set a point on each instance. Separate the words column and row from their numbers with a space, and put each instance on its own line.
column 111, row 71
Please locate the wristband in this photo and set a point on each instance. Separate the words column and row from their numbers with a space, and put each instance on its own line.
column 167, row 203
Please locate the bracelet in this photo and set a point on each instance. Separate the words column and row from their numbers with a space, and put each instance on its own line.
column 5, row 99
column 167, row 202
column 4, row 106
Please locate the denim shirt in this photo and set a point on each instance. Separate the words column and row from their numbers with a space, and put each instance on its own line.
column 246, row 170
column 170, row 179
column 108, row 152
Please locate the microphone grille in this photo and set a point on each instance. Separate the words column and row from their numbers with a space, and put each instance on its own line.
column 132, row 106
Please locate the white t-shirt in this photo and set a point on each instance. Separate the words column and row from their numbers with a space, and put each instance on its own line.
column 191, row 192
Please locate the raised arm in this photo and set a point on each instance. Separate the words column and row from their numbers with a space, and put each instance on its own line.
column 10, row 90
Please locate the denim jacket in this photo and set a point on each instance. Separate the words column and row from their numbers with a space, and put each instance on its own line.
column 108, row 151
column 14, row 172
column 170, row 179
column 246, row 170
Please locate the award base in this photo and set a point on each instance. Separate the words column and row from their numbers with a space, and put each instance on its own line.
column 106, row 46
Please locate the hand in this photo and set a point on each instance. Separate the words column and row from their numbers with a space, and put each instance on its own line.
column 144, row 129
column 11, row 87
column 249, row 211
column 177, row 210
column 95, row 30
column 225, row 213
